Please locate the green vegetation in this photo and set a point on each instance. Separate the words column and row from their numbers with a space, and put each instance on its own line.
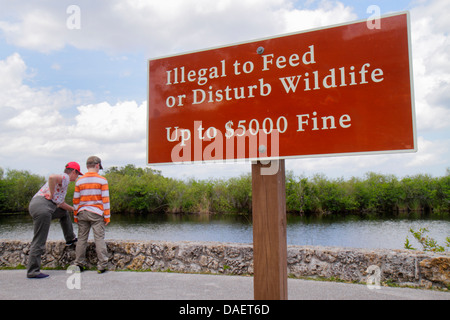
column 17, row 188
column 427, row 243
column 375, row 194
column 138, row 190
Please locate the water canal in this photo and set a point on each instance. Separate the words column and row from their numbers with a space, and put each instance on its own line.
column 389, row 233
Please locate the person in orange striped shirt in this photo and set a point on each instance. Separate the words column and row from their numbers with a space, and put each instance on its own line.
column 92, row 210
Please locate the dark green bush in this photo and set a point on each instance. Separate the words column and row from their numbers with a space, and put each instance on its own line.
column 144, row 190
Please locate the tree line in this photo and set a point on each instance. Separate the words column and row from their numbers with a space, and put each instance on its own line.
column 144, row 190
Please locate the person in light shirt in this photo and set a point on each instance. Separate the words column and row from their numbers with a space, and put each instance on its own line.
column 48, row 204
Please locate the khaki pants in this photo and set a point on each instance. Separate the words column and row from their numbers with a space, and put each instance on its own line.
column 86, row 221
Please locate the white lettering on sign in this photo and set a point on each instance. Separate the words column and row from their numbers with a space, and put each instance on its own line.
column 331, row 80
column 201, row 76
column 340, row 76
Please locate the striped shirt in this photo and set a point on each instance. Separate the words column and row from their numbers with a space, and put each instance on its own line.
column 92, row 194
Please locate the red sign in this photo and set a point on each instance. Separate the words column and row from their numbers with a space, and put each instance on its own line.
column 339, row 90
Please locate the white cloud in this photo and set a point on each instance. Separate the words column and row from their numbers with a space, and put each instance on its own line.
column 122, row 122
column 33, row 125
column 38, row 29
column 327, row 13
column 430, row 154
column 25, row 108
column 431, row 157
column 13, row 70
column 161, row 27
column 431, row 62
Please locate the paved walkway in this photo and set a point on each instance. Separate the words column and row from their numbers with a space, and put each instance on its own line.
column 174, row 286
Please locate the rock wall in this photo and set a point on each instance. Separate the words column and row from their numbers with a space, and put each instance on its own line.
column 415, row 268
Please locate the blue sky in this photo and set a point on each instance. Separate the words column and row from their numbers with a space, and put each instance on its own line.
column 66, row 94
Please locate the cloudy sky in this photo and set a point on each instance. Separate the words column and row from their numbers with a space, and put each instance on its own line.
column 73, row 79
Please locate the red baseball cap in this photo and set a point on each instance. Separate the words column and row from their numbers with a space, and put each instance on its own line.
column 74, row 165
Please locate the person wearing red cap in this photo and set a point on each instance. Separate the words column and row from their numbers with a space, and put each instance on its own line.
column 48, row 204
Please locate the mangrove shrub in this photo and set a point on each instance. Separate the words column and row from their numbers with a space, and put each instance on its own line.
column 144, row 190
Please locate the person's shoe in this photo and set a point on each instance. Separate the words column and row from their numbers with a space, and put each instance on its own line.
column 101, row 271
column 77, row 268
column 72, row 242
column 39, row 276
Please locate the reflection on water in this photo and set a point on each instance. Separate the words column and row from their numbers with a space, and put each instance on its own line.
column 330, row 231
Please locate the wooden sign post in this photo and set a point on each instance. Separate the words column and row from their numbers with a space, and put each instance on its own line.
column 269, row 232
